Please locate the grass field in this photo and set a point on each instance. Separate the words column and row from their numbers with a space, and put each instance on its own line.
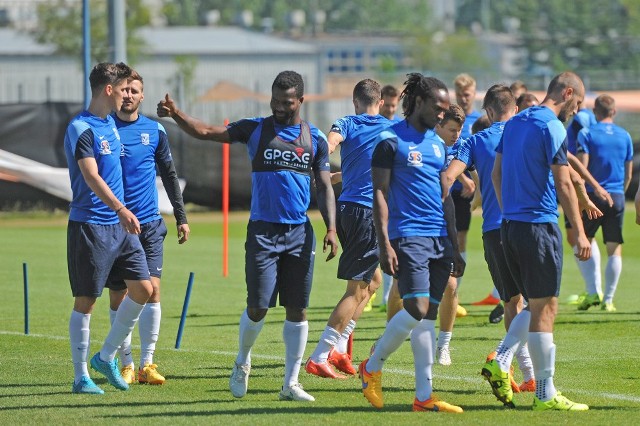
column 597, row 353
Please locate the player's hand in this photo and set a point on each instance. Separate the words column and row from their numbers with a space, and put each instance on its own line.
column 477, row 201
column 583, row 247
column 604, row 195
column 591, row 210
column 330, row 239
column 388, row 260
column 129, row 221
column 336, row 178
column 166, row 107
column 458, row 265
column 183, row 233
column 468, row 187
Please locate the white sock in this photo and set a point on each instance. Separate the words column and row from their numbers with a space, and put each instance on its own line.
column 394, row 335
column 124, row 351
column 387, row 281
column 295, row 340
column 79, row 338
column 495, row 293
column 149, row 327
column 444, row 337
column 126, row 318
column 516, row 336
column 343, row 342
column 524, row 362
column 464, row 256
column 611, row 276
column 590, row 270
column 249, row 332
column 543, row 356
column 328, row 340
column 423, row 339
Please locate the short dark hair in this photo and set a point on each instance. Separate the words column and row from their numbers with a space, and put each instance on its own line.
column 367, row 91
column 389, row 91
column 518, row 85
column 454, row 113
column 499, row 98
column 106, row 73
column 289, row 80
column 526, row 98
column 419, row 85
column 480, row 124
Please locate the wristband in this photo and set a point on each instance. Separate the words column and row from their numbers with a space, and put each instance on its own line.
column 118, row 211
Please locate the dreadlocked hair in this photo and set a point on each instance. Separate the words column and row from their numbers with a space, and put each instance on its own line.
column 419, row 85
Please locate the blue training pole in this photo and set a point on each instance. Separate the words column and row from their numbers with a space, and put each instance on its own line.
column 25, row 276
column 185, row 306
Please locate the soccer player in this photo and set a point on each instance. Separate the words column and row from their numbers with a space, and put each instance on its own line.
column 607, row 151
column 518, row 88
column 532, row 154
column 449, row 129
column 146, row 147
column 416, row 242
column 356, row 135
column 280, row 246
column 526, row 100
column 479, row 151
column 391, row 99
column 101, row 234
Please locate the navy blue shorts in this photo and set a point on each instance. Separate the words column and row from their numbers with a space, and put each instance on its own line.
column 611, row 221
column 425, row 265
column 279, row 264
column 534, row 255
column 152, row 237
column 497, row 263
column 97, row 253
column 463, row 210
column 357, row 234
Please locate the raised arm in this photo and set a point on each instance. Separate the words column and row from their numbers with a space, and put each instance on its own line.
column 192, row 126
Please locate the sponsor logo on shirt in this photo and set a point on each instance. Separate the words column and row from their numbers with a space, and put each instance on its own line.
column 144, row 138
column 297, row 156
column 414, row 159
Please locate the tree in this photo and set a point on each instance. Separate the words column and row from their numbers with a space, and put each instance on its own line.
column 60, row 23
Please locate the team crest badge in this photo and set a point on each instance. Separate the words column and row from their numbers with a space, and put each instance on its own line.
column 105, row 149
column 436, row 150
column 414, row 159
column 144, row 138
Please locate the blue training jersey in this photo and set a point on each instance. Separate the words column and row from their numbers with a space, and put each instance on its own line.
column 360, row 133
column 464, row 134
column 532, row 141
column 415, row 194
column 281, row 196
column 480, row 151
column 584, row 119
column 609, row 147
column 90, row 136
column 145, row 142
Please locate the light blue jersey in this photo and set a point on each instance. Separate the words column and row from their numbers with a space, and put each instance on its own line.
column 480, row 151
column 609, row 147
column 360, row 133
column 532, row 141
column 415, row 194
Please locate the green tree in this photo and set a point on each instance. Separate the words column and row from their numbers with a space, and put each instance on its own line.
column 60, row 23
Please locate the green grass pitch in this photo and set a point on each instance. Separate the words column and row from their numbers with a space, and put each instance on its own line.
column 597, row 353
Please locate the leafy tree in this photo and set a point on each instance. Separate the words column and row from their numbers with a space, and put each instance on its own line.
column 60, row 23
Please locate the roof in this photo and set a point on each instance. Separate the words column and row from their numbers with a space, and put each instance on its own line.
column 14, row 42
column 217, row 41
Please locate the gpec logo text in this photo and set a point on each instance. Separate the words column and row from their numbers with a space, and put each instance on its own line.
column 289, row 156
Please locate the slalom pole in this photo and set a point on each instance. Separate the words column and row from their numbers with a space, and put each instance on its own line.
column 25, row 275
column 225, row 207
column 185, row 306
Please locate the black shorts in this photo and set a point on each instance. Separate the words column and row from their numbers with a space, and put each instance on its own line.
column 611, row 221
column 279, row 264
column 463, row 210
column 424, row 265
column 497, row 263
column 98, row 253
column 357, row 234
column 152, row 237
column 534, row 254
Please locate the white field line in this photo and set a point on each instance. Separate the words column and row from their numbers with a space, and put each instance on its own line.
column 605, row 395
